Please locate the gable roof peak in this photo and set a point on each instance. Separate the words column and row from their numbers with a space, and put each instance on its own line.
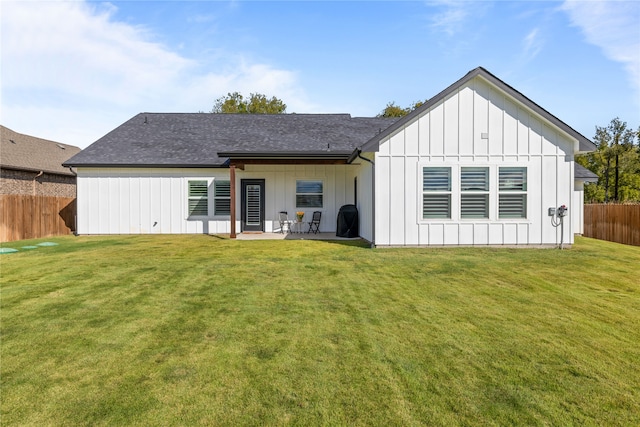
column 584, row 143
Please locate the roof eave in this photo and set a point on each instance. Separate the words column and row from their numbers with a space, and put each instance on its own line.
column 37, row 170
column 590, row 180
column 583, row 174
column 147, row 165
column 354, row 154
column 286, row 155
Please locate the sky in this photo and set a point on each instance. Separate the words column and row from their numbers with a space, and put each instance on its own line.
column 72, row 71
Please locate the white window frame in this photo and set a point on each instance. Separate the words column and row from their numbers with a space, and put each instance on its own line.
column 493, row 193
column 217, row 197
column 309, row 194
column 447, row 193
column 190, row 198
column 504, row 190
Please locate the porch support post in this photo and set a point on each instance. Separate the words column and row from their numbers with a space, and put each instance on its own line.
column 232, row 182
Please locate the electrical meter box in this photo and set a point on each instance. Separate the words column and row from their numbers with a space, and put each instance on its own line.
column 562, row 210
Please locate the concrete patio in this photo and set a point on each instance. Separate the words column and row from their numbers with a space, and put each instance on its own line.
column 292, row 236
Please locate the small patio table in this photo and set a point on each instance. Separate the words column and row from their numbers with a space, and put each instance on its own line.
column 298, row 226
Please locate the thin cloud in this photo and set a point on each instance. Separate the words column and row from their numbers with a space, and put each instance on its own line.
column 75, row 49
column 247, row 77
column 64, row 60
column 613, row 27
column 451, row 19
column 452, row 16
column 532, row 45
column 202, row 18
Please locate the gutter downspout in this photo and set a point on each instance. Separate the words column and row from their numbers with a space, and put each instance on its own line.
column 34, row 181
column 75, row 217
column 373, row 197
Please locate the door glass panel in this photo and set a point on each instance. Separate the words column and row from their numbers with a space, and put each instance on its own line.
column 253, row 205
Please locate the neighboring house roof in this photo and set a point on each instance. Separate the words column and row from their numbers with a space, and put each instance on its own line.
column 208, row 140
column 24, row 152
column 585, row 143
column 583, row 174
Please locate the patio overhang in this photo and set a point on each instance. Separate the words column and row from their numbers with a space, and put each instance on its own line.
column 241, row 158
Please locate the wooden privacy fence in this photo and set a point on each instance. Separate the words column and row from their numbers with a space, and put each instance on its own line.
column 32, row 217
column 616, row 223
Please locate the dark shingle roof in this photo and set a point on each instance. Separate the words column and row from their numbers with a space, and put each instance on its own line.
column 25, row 152
column 583, row 174
column 585, row 143
column 195, row 139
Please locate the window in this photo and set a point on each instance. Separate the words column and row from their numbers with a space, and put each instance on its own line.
column 308, row 194
column 474, row 186
column 221, row 197
column 436, row 193
column 198, row 198
column 512, row 187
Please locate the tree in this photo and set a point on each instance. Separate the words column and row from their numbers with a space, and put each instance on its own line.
column 234, row 103
column 393, row 110
column 616, row 161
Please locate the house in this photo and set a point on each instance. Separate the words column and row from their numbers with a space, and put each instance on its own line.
column 478, row 164
column 33, row 166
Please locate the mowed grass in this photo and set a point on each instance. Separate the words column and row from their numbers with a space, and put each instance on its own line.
column 198, row 330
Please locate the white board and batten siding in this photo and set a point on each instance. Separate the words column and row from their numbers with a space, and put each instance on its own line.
column 364, row 173
column 475, row 126
column 578, row 208
column 143, row 201
column 155, row 200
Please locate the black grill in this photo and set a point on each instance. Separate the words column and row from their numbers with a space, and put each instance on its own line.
column 347, row 221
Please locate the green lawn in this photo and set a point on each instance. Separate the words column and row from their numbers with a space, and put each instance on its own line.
column 198, row 330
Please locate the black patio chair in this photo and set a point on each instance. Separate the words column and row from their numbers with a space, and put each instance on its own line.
column 314, row 224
